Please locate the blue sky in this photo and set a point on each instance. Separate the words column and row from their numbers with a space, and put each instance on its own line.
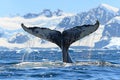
column 13, row 7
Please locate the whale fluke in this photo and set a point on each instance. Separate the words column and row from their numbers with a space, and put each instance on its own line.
column 64, row 39
column 45, row 33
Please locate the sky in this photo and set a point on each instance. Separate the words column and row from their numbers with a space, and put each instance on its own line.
column 21, row 7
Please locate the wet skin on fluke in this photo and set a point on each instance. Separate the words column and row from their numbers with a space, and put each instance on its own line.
column 64, row 39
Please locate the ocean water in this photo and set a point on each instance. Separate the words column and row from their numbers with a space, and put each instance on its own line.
column 46, row 64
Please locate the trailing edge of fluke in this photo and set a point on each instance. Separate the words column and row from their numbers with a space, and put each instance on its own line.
column 64, row 39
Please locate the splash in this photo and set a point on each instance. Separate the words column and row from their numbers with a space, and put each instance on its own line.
column 27, row 51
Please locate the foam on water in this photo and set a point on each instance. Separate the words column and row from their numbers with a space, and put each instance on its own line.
column 39, row 64
column 56, row 64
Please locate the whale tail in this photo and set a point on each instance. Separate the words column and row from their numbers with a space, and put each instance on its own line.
column 64, row 39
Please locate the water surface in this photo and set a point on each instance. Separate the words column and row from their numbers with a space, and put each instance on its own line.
column 46, row 64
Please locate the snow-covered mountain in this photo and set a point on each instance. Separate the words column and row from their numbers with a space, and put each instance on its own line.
column 107, row 36
column 12, row 35
column 108, row 32
column 111, row 34
column 46, row 12
column 103, row 13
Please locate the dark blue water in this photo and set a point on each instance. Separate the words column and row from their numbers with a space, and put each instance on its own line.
column 46, row 64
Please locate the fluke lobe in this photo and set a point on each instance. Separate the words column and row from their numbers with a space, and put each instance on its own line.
column 64, row 39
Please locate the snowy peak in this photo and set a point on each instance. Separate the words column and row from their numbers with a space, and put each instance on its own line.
column 103, row 13
column 46, row 12
column 108, row 7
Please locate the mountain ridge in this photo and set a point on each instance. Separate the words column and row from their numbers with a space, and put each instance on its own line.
column 110, row 22
column 46, row 12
